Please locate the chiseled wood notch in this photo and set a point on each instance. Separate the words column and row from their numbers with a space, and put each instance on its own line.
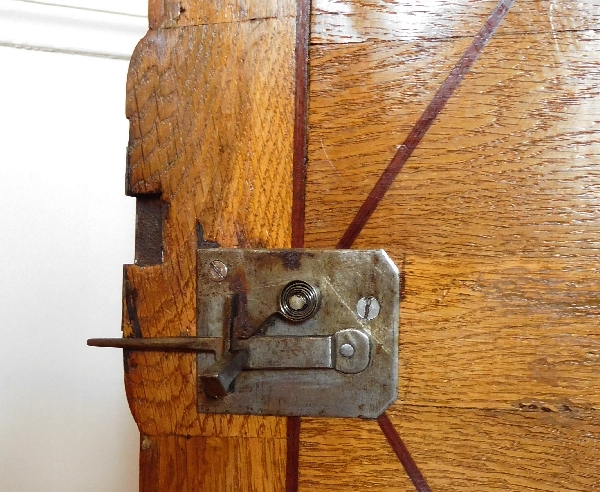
column 496, row 222
column 211, row 111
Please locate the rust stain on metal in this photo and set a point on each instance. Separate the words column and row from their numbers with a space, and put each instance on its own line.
column 242, row 324
column 291, row 261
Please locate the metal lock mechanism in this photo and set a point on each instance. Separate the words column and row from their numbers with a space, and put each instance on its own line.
column 292, row 332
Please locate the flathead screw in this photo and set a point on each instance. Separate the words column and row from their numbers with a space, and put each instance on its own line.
column 217, row 270
column 368, row 308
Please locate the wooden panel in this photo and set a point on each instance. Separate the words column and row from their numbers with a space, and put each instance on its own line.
column 457, row 450
column 354, row 21
column 213, row 136
column 211, row 112
column 495, row 221
column 179, row 13
column 487, row 216
column 198, row 464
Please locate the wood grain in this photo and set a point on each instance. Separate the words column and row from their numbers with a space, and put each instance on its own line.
column 427, row 118
column 199, row 464
column 494, row 220
column 487, row 216
column 180, row 13
column 211, row 111
column 457, row 450
column 356, row 21
column 402, row 453
column 496, row 224
column 344, row 454
column 200, row 140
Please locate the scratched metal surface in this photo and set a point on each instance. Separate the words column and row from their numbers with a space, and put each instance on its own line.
column 254, row 282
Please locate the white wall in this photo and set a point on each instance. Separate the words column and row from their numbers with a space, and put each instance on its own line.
column 66, row 228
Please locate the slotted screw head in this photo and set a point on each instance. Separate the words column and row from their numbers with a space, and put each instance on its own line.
column 368, row 308
column 217, row 270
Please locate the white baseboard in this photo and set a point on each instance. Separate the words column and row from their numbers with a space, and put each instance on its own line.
column 56, row 28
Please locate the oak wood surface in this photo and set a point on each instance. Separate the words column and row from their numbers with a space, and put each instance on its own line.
column 457, row 450
column 211, row 111
column 495, row 217
column 355, row 21
column 208, row 464
column 180, row 13
column 495, row 220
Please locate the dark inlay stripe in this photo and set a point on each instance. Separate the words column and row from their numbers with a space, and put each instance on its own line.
column 300, row 122
column 424, row 123
column 298, row 201
column 412, row 470
column 293, row 454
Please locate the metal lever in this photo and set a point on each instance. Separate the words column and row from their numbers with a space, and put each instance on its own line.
column 167, row 344
column 347, row 351
column 217, row 379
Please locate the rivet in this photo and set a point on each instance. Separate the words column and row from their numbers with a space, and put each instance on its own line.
column 297, row 302
column 347, row 350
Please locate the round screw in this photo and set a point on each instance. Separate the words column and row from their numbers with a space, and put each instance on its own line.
column 368, row 308
column 347, row 350
column 217, row 270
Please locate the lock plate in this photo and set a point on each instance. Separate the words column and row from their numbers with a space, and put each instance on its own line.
column 316, row 330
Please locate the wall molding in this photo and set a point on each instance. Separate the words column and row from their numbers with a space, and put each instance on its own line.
column 73, row 30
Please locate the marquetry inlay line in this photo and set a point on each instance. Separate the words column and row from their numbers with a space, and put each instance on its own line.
column 401, row 451
column 298, row 200
column 300, row 122
column 404, row 152
column 423, row 124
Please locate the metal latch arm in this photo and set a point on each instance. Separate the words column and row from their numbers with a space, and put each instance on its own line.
column 165, row 344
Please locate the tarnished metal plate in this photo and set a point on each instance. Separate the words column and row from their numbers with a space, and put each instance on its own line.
column 336, row 363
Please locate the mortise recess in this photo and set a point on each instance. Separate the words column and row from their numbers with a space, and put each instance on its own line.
column 149, row 212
